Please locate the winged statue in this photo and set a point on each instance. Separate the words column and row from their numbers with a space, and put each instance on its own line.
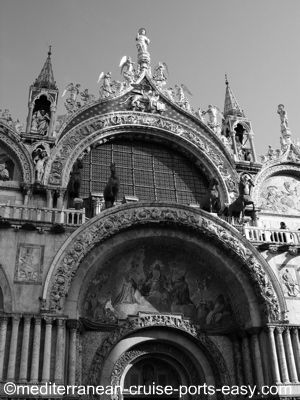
column 127, row 69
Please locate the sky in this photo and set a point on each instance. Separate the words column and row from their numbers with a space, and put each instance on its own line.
column 254, row 41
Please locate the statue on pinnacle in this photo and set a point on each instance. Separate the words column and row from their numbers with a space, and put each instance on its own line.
column 142, row 47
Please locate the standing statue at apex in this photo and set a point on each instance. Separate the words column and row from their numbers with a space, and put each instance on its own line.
column 142, row 46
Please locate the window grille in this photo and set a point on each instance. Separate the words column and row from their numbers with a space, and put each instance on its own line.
column 149, row 171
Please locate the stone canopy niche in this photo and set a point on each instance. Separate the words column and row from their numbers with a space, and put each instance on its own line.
column 159, row 275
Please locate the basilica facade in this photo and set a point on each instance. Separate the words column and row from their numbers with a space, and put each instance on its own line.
column 145, row 241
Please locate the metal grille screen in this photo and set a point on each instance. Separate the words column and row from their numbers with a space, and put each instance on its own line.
column 148, row 171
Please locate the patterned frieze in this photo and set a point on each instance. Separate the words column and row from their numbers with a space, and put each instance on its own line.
column 71, row 146
column 113, row 221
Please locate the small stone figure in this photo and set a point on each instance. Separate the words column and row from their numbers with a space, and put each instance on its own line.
column 200, row 114
column 86, row 97
column 6, row 116
column 159, row 75
column 127, row 69
column 212, row 112
column 290, row 283
column 283, row 117
column 245, row 187
column 112, row 188
column 170, row 93
column 40, row 122
column 4, row 174
column 40, row 157
column 106, row 87
column 71, row 102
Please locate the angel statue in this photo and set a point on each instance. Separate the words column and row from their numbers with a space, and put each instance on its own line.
column 212, row 113
column 106, row 86
column 86, row 97
column 159, row 75
column 71, row 102
column 127, row 69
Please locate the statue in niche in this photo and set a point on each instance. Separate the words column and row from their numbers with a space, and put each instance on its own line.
column 40, row 122
column 40, row 158
column 111, row 189
column 4, row 174
column 290, row 283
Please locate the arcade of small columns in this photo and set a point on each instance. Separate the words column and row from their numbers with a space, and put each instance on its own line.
column 283, row 350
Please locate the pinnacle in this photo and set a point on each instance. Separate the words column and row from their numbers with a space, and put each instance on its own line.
column 231, row 106
column 46, row 77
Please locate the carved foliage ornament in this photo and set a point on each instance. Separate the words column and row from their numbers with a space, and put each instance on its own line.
column 128, row 217
column 86, row 133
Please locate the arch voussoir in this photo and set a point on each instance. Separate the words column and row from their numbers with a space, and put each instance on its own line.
column 131, row 216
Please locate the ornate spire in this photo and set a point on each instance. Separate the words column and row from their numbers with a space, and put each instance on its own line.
column 46, row 78
column 231, row 106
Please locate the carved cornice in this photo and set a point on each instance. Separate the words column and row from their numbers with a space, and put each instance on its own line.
column 121, row 218
column 75, row 141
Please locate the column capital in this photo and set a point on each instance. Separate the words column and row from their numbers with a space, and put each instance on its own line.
column 60, row 322
column 73, row 324
column 294, row 331
column 16, row 318
column 48, row 320
column 3, row 318
column 27, row 318
column 280, row 329
column 37, row 319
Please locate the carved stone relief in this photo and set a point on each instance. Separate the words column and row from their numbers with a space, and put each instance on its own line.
column 290, row 280
column 29, row 263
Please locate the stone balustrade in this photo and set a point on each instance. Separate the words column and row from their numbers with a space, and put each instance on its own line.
column 274, row 236
column 37, row 214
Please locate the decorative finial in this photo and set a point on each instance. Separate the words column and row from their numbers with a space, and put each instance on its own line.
column 50, row 50
column 226, row 80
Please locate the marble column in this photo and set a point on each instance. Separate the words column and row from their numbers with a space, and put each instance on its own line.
column 3, row 332
column 257, row 360
column 281, row 355
column 247, row 361
column 251, row 141
column 73, row 326
column 13, row 348
column 273, row 354
column 296, row 347
column 34, row 377
column 290, row 356
column 47, row 350
column 25, row 348
column 60, row 351
column 237, row 359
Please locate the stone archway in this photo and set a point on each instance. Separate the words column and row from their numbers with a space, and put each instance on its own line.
column 11, row 141
column 172, row 336
column 75, row 141
column 128, row 217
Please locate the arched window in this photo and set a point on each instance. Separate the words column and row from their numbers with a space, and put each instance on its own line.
column 148, row 171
